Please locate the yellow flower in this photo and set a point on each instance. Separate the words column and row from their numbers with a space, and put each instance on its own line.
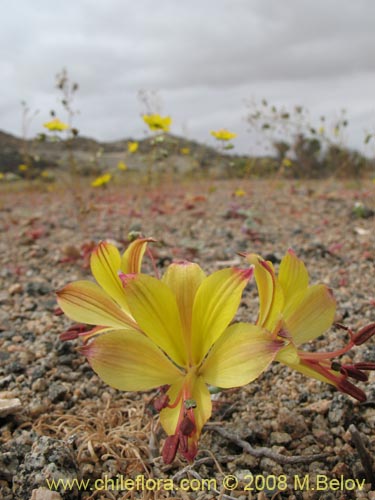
column 286, row 163
column 2, row 176
column 239, row 193
column 23, row 167
column 56, row 125
column 223, row 134
column 156, row 122
column 102, row 180
column 133, row 146
column 172, row 333
column 295, row 313
column 185, row 151
column 122, row 166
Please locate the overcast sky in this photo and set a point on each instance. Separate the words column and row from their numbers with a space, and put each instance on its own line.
column 205, row 59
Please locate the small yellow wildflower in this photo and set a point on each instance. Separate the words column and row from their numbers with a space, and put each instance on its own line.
column 102, row 180
column 223, row 134
column 56, row 125
column 2, row 176
column 185, row 151
column 239, row 193
column 122, row 166
column 22, row 167
column 133, row 146
column 286, row 163
column 157, row 122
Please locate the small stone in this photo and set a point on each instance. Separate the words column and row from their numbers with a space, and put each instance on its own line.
column 320, row 407
column 280, row 438
column 9, row 406
column 15, row 289
column 45, row 494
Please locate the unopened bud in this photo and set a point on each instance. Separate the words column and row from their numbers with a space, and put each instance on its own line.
column 364, row 334
column 353, row 371
column 161, row 402
column 170, row 448
column 365, row 365
column 349, row 388
column 187, row 426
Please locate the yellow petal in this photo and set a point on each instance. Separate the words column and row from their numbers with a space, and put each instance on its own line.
column 286, row 357
column 309, row 314
column 240, row 355
column 85, row 302
column 216, row 302
column 293, row 276
column 105, row 264
column 154, row 307
column 131, row 261
column 271, row 299
column 184, row 279
column 199, row 393
column 129, row 361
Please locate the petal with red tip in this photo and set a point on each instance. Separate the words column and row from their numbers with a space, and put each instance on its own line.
column 129, row 361
column 85, row 302
column 271, row 298
column 105, row 264
column 131, row 261
column 216, row 302
column 240, row 355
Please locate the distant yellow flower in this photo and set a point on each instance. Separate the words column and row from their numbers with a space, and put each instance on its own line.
column 56, row 125
column 46, row 174
column 2, row 176
column 223, row 134
column 157, row 122
column 122, row 166
column 133, row 146
column 286, row 163
column 102, row 180
column 22, row 167
column 185, row 151
column 239, row 193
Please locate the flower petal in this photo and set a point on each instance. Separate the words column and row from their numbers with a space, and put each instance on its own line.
column 271, row 298
column 105, row 264
column 129, row 361
column 85, row 302
column 216, row 302
column 131, row 261
column 184, row 278
column 289, row 357
column 240, row 355
column 202, row 412
column 293, row 276
column 309, row 314
column 154, row 307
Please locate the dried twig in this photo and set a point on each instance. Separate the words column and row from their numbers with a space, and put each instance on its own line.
column 364, row 455
column 265, row 452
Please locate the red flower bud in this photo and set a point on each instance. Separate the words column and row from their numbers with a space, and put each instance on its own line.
column 364, row 334
column 349, row 388
column 353, row 371
column 170, row 448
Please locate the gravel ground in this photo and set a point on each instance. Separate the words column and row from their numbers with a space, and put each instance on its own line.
column 59, row 420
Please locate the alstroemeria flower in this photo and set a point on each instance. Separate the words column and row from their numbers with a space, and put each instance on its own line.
column 296, row 313
column 181, row 341
column 103, row 304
